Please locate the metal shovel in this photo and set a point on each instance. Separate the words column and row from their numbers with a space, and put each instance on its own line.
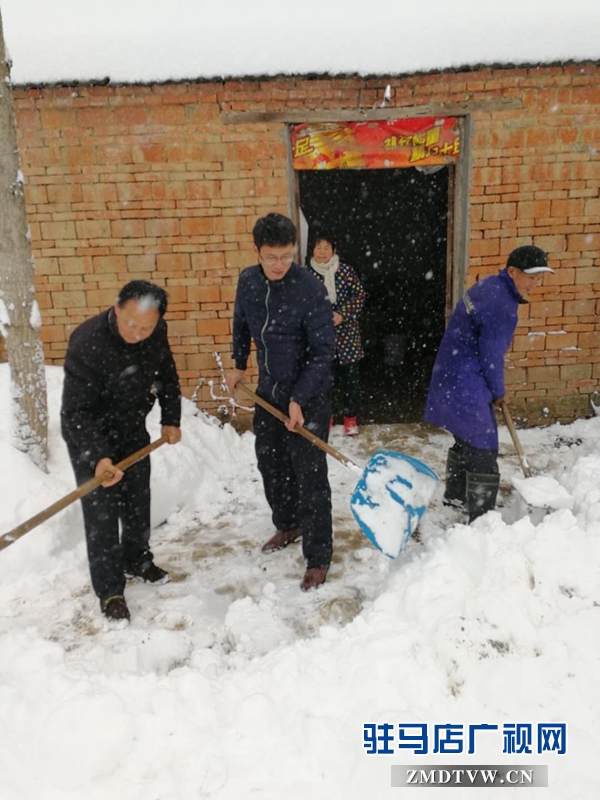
column 553, row 495
column 391, row 495
column 8, row 538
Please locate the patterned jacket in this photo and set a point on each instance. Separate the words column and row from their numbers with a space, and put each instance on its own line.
column 350, row 300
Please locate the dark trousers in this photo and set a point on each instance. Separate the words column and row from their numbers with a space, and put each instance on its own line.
column 127, row 503
column 295, row 479
column 346, row 381
column 475, row 459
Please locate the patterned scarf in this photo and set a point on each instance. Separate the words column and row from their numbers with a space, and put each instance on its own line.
column 328, row 271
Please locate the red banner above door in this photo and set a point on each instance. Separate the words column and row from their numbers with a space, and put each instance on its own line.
column 423, row 141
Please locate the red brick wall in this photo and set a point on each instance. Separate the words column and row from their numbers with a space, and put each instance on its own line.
column 148, row 182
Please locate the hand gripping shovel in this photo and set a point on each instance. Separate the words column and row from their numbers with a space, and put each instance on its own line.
column 85, row 488
column 391, row 495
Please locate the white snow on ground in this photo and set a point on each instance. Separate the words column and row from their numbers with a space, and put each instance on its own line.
column 230, row 683
column 133, row 41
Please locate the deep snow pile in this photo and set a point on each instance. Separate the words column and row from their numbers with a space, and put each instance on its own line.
column 231, row 683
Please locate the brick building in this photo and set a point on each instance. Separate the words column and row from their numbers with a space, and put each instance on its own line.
column 165, row 181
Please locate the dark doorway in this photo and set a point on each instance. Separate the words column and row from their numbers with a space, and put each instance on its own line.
column 392, row 227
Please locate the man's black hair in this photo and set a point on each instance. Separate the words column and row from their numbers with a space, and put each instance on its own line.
column 150, row 293
column 274, row 230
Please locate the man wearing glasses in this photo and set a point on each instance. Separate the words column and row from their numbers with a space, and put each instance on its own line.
column 286, row 312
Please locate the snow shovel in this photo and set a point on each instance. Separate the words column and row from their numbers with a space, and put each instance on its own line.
column 8, row 538
column 541, row 493
column 391, row 495
column 516, row 441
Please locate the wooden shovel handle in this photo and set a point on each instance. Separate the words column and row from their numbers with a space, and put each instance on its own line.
column 516, row 441
column 301, row 430
column 85, row 488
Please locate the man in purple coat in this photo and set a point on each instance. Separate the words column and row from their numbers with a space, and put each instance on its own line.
column 468, row 378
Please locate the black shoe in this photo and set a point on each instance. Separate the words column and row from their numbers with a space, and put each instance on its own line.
column 150, row 573
column 115, row 608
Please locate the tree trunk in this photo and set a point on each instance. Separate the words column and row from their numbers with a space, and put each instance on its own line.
column 19, row 312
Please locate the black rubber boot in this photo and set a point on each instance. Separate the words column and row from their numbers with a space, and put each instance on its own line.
column 482, row 490
column 456, row 480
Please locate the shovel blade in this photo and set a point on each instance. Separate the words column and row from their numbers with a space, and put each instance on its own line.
column 391, row 497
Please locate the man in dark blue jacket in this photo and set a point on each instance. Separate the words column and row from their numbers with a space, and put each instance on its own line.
column 468, row 377
column 286, row 312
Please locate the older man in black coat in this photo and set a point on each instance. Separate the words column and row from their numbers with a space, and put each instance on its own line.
column 117, row 364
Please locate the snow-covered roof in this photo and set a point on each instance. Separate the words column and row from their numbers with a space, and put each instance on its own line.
column 130, row 41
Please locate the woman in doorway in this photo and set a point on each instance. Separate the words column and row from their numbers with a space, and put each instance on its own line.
column 347, row 298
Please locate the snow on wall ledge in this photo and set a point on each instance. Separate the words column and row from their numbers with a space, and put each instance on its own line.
column 67, row 41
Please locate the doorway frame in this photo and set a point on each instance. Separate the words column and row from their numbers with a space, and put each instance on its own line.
column 459, row 176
